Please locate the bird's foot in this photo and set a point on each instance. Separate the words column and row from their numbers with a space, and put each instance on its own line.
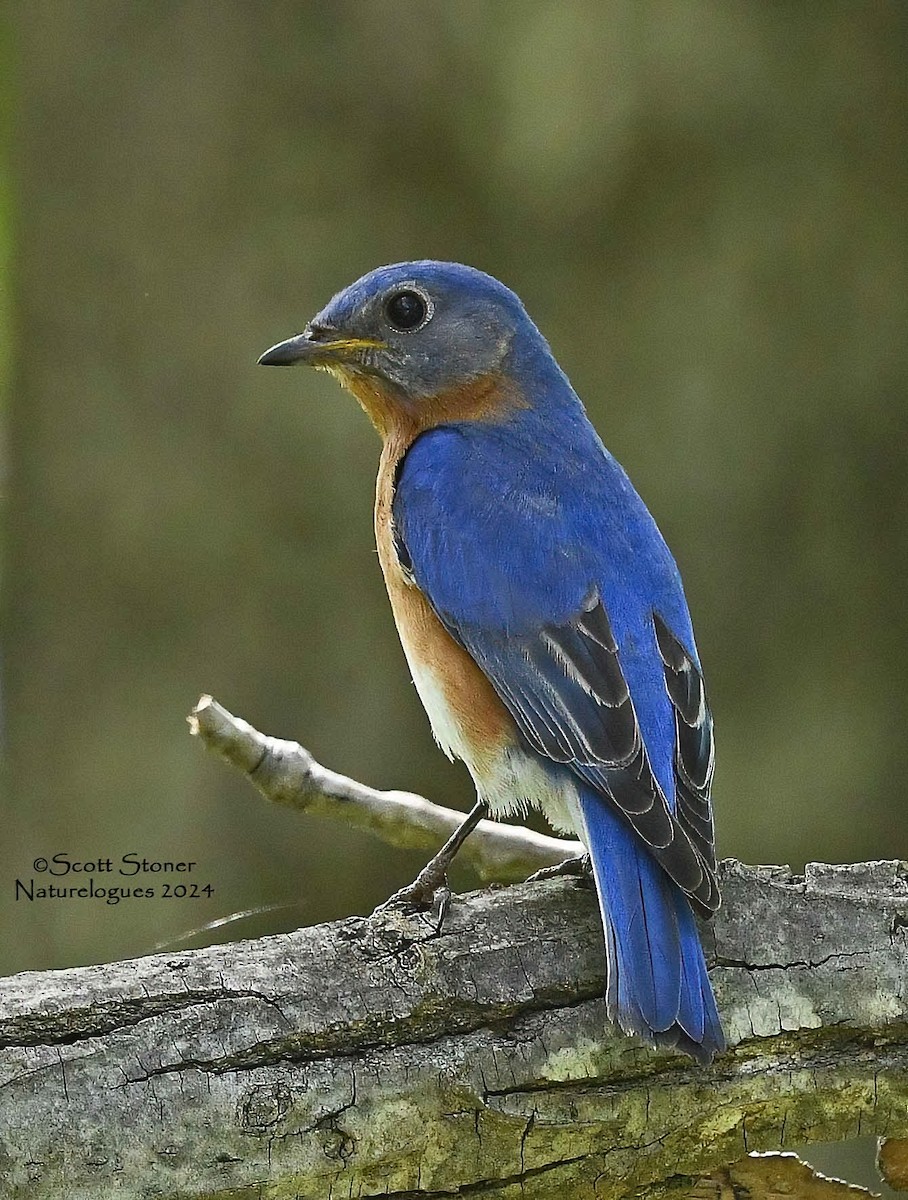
column 427, row 892
column 423, row 892
column 434, row 876
column 580, row 865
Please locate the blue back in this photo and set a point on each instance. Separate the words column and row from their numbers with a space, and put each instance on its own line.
column 510, row 526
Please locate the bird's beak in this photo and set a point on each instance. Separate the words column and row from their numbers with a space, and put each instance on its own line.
column 314, row 349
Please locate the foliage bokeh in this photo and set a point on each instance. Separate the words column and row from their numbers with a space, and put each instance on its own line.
column 703, row 207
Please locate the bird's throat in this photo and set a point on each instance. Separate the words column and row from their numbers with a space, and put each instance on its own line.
column 400, row 419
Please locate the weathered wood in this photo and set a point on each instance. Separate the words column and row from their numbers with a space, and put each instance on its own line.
column 383, row 1056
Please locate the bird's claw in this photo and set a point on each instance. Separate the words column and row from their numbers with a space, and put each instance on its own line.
column 579, row 865
column 428, row 890
column 433, row 878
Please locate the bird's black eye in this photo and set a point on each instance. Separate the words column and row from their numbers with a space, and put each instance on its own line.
column 407, row 310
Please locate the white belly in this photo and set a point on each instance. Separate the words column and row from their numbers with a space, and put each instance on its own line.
column 445, row 726
column 511, row 779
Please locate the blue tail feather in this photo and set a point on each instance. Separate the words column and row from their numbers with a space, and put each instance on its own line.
column 658, row 987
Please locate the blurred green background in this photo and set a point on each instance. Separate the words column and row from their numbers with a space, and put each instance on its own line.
column 704, row 208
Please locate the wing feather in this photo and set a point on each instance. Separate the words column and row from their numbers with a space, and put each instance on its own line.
column 566, row 691
column 694, row 741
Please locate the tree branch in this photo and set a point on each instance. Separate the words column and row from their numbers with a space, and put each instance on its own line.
column 287, row 774
column 386, row 1056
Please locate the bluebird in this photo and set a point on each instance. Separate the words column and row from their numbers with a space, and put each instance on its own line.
column 540, row 611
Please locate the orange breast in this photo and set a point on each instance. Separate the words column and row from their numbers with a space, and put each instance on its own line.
column 468, row 719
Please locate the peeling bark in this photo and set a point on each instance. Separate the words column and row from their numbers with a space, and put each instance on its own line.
column 760, row 1177
column 892, row 1161
column 385, row 1056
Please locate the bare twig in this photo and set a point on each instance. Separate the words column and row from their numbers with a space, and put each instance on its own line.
column 286, row 773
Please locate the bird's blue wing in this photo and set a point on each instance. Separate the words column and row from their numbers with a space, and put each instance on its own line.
column 550, row 572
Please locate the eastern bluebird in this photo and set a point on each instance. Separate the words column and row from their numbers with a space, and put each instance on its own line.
column 540, row 611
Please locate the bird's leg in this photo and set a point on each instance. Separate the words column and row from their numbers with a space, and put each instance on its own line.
column 580, row 865
column 434, row 874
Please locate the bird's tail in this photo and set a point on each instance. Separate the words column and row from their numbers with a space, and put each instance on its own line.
column 657, row 985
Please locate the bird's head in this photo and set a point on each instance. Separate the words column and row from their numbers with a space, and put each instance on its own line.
column 415, row 339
